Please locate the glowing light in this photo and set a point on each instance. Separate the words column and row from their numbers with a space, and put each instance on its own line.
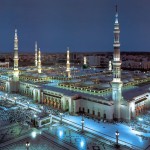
column 33, row 134
column 35, row 116
column 60, row 133
column 140, row 119
column 82, row 144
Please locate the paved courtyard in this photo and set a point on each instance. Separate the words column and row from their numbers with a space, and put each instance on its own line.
column 38, row 143
column 69, row 132
column 78, row 139
column 53, row 137
column 138, row 139
column 11, row 132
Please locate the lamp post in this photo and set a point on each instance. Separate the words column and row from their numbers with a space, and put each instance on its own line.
column 141, row 119
column 15, row 100
column 5, row 96
column 117, row 136
column 34, row 121
column 27, row 145
column 28, row 104
column 82, row 123
column 61, row 118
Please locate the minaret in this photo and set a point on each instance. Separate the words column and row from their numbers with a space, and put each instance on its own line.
column 16, row 71
column 36, row 54
column 39, row 61
column 116, row 83
column 68, row 64
column 85, row 62
column 110, row 66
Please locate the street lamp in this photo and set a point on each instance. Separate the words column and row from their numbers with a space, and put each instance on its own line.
column 140, row 119
column 117, row 136
column 61, row 118
column 27, row 145
column 15, row 99
column 28, row 104
column 82, row 122
column 34, row 120
column 5, row 96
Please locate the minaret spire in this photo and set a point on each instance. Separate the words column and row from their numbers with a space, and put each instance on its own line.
column 36, row 54
column 116, row 57
column 85, row 60
column 116, row 83
column 39, row 61
column 110, row 66
column 116, row 8
column 116, row 20
column 16, row 71
column 68, row 64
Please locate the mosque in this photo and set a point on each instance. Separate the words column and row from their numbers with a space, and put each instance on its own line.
column 102, row 94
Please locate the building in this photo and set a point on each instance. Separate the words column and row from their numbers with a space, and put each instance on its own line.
column 101, row 94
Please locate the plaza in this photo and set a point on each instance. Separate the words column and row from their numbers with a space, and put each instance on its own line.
column 69, row 131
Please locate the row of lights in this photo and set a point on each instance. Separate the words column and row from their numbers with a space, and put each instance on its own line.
column 82, row 129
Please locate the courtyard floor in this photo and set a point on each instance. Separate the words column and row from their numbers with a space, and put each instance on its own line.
column 134, row 135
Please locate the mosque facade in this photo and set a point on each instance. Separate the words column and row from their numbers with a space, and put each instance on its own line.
column 116, row 99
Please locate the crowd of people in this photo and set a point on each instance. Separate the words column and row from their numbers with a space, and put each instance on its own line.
column 11, row 112
column 18, row 115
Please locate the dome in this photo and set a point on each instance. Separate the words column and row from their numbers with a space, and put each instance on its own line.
column 75, row 80
column 88, row 83
column 42, row 75
column 94, row 77
column 105, row 85
column 125, row 81
column 35, row 75
column 131, row 79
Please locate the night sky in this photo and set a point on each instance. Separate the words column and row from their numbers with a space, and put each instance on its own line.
column 83, row 25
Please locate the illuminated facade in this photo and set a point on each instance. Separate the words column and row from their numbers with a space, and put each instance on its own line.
column 116, row 83
column 36, row 54
column 39, row 62
column 85, row 60
column 16, row 71
column 110, row 66
column 68, row 64
column 101, row 95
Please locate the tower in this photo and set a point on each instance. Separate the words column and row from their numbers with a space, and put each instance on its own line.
column 13, row 84
column 39, row 61
column 68, row 64
column 16, row 70
column 116, row 83
column 110, row 66
column 35, row 54
column 85, row 62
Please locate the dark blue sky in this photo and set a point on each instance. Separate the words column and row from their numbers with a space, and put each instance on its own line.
column 83, row 25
